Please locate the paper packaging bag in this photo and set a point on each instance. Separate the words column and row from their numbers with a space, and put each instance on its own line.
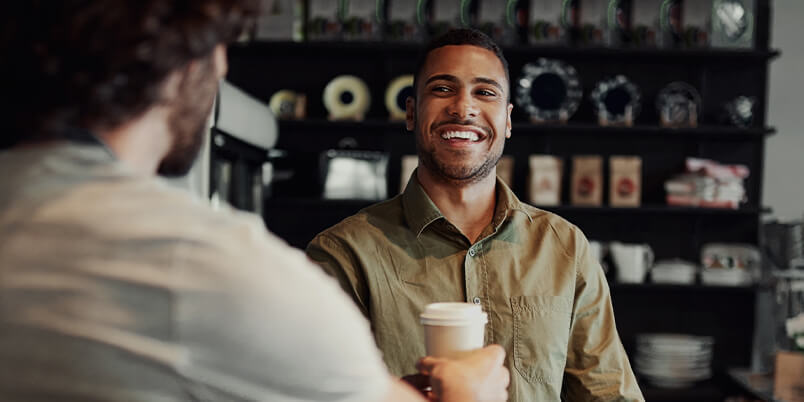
column 789, row 376
column 505, row 170
column 587, row 181
column 625, row 181
column 544, row 180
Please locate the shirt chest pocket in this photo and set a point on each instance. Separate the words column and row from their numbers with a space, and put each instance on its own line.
column 541, row 335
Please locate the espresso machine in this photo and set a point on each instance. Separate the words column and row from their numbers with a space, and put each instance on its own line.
column 232, row 168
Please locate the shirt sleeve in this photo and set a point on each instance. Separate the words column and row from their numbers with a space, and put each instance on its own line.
column 337, row 260
column 597, row 366
column 261, row 322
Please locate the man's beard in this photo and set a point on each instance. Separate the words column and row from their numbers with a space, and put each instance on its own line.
column 187, row 120
column 456, row 173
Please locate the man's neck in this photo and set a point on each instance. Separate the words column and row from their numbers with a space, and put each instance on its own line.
column 469, row 207
column 142, row 142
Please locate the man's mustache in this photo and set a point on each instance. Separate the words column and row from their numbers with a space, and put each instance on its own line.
column 486, row 129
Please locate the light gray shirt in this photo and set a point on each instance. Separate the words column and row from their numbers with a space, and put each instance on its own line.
column 115, row 286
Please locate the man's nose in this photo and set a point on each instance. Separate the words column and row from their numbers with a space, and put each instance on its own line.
column 463, row 106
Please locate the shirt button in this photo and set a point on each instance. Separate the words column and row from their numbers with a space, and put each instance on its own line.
column 472, row 252
column 476, row 300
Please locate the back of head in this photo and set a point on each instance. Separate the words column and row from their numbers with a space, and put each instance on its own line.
column 97, row 64
column 457, row 37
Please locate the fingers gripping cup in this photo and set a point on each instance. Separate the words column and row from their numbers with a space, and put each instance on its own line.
column 450, row 329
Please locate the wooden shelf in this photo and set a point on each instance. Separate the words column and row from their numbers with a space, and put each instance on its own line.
column 300, row 202
column 703, row 391
column 636, row 288
column 645, row 130
column 324, row 124
column 759, row 386
column 569, row 128
column 406, row 50
column 656, row 209
column 299, row 133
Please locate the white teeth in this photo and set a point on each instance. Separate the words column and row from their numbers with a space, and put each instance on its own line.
column 464, row 135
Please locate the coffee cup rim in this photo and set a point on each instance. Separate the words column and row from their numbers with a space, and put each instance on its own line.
column 453, row 314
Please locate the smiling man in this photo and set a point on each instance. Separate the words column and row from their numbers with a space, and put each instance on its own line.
column 457, row 233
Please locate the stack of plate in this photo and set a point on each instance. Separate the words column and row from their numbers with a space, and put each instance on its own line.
column 674, row 271
column 674, row 361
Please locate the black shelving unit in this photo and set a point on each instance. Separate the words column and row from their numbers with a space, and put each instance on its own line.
column 296, row 211
column 343, row 48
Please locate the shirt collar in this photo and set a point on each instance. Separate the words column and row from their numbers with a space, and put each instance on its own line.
column 420, row 211
column 507, row 204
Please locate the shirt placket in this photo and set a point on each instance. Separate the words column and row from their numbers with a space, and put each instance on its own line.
column 476, row 272
column 476, row 281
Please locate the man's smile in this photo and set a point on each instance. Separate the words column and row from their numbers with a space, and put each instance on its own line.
column 461, row 133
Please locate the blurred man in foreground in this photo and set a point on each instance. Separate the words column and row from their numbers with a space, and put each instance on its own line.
column 114, row 286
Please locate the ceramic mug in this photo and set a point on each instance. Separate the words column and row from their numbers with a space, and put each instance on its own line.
column 632, row 260
column 597, row 251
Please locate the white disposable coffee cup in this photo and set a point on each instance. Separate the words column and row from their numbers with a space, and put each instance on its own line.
column 452, row 329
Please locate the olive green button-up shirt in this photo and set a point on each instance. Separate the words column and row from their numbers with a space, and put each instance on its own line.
column 547, row 300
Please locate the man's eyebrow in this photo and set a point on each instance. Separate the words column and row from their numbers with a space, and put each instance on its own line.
column 452, row 78
column 445, row 77
column 483, row 80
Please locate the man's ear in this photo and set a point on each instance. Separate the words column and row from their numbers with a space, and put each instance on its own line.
column 410, row 113
column 221, row 63
column 508, row 121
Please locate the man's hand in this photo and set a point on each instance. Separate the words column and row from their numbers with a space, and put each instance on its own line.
column 480, row 376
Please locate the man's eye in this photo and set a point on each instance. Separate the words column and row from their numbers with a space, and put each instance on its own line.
column 440, row 89
column 486, row 92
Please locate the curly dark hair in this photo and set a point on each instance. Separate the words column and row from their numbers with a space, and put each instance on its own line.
column 462, row 36
column 99, row 63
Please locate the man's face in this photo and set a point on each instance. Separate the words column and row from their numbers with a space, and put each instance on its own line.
column 461, row 116
column 188, row 116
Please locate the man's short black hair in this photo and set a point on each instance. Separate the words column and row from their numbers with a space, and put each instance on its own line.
column 457, row 37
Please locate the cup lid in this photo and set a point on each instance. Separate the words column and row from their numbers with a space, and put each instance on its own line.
column 453, row 314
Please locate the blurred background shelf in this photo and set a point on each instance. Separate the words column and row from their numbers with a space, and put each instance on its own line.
column 571, row 128
column 759, row 386
column 706, row 391
column 398, row 49
column 296, row 211
column 300, row 132
column 357, row 204
column 636, row 288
